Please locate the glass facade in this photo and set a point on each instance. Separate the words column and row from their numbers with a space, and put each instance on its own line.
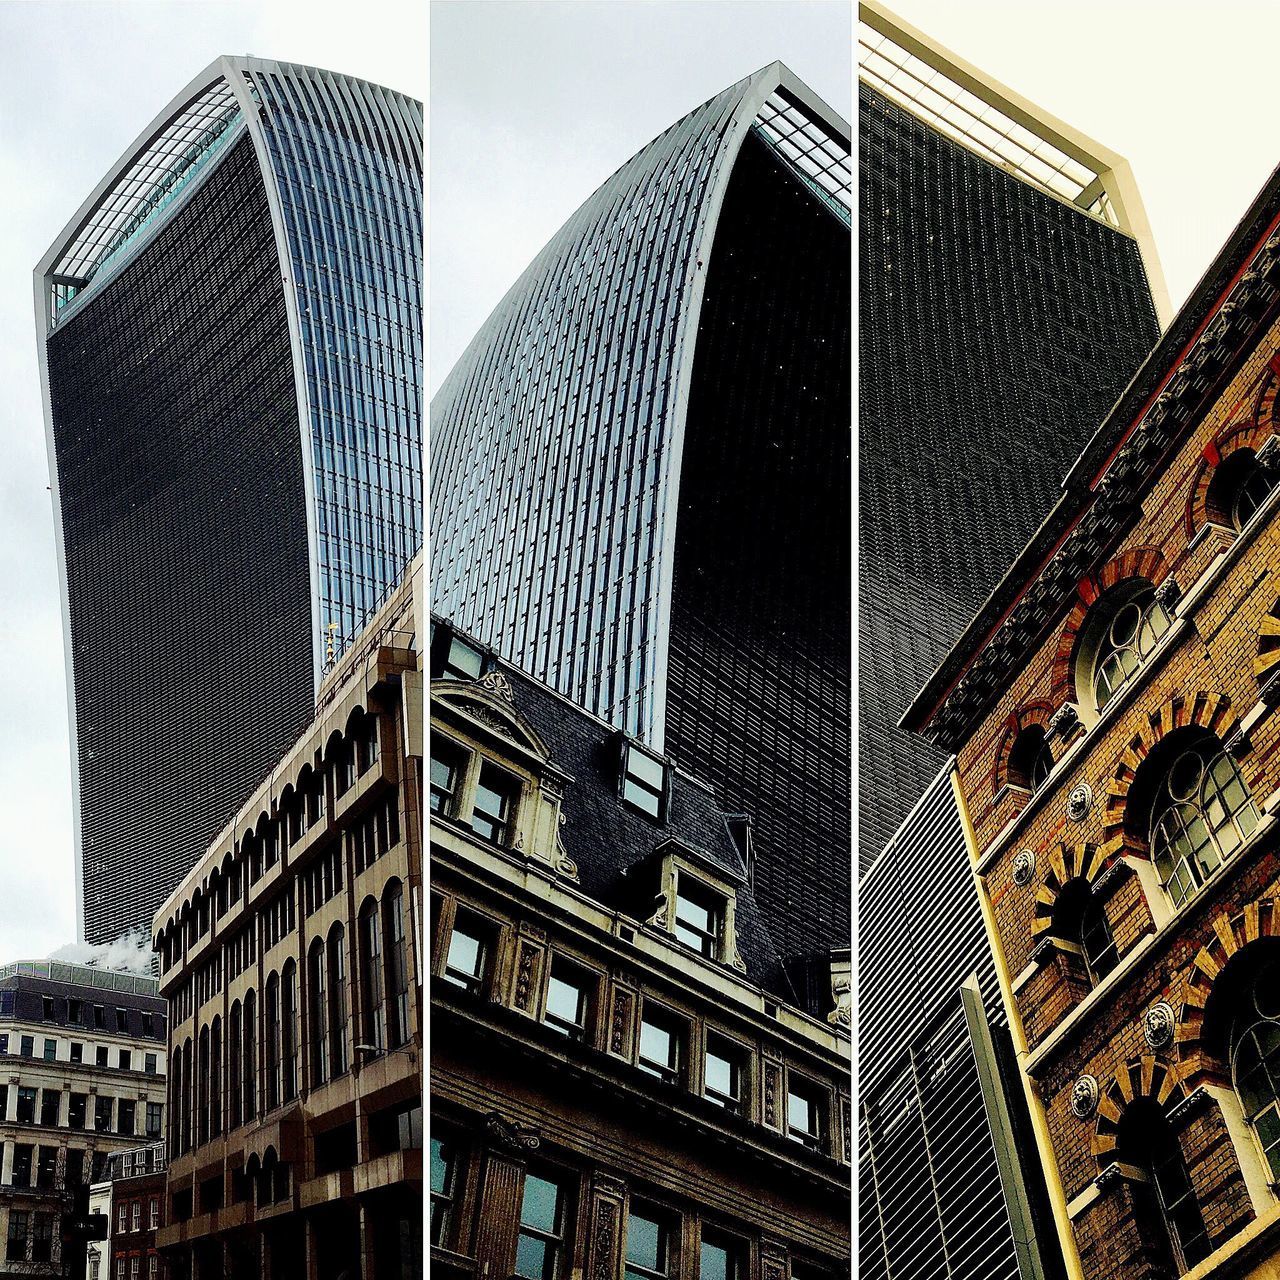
column 237, row 474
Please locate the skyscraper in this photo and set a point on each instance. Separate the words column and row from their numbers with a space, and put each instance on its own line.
column 640, row 469
column 230, row 337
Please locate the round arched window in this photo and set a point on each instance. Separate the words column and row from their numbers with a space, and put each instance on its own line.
column 1251, row 494
column 1202, row 814
column 1031, row 759
column 1255, row 1060
column 1130, row 637
column 1239, row 487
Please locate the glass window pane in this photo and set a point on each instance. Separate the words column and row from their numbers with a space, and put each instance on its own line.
column 464, row 953
column 714, row 1263
column 655, row 1043
column 564, row 1000
column 642, row 799
column 541, row 1206
column 647, row 770
column 644, row 1241
column 535, row 1258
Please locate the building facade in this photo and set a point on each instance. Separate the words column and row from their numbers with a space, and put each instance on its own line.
column 637, row 454
column 230, row 342
column 290, row 956
column 134, row 1207
column 1111, row 711
column 617, row 1084
column 85, row 1057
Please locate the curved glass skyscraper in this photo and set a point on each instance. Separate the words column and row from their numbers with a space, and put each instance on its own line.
column 640, row 474
column 231, row 352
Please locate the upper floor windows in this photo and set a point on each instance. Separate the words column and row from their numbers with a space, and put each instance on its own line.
column 662, row 1045
column 806, row 1113
column 650, row 1244
column 541, row 1241
column 1201, row 814
column 443, row 1175
column 644, row 780
column 568, row 999
column 468, row 959
column 723, row 1075
column 1255, row 1059
column 461, row 661
column 495, row 801
column 699, row 916
column 1031, row 759
column 1240, row 486
column 720, row 1257
column 447, row 766
column 1081, row 930
column 1130, row 622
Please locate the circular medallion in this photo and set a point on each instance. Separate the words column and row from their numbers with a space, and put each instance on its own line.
column 1079, row 802
column 1084, row 1097
column 1158, row 1023
column 1024, row 867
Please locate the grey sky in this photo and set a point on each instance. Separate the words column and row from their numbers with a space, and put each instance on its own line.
column 1184, row 91
column 78, row 82
column 533, row 105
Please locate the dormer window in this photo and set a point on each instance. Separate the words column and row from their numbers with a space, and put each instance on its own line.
column 447, row 765
column 699, row 916
column 644, row 780
column 496, row 793
column 462, row 661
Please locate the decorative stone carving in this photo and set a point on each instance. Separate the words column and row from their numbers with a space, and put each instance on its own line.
column 1109, row 1177
column 618, row 1027
column 1112, row 876
column 1084, row 1097
column 1024, row 867
column 1238, row 744
column 842, row 1014
column 1065, row 720
column 1168, row 593
column 771, row 1095
column 1080, row 802
column 603, row 1244
column 512, row 1136
column 500, row 724
column 497, row 684
column 1188, row 1106
column 659, row 917
column 1268, row 456
column 1158, row 1024
column 562, row 863
column 737, row 961
column 524, row 977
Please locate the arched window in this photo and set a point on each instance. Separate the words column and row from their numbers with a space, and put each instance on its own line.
column 1031, row 759
column 1255, row 1059
column 1169, row 1216
column 316, row 969
column 234, row 1069
column 188, row 1100
column 1201, row 814
column 289, row 1031
column 271, row 1037
column 215, row 1078
column 373, row 1030
column 1238, row 488
column 397, row 965
column 337, row 1001
column 1128, row 624
column 250, row 1056
column 1081, row 930
column 175, row 1106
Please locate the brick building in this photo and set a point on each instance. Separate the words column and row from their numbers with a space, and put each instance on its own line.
column 1118, row 760
column 290, row 955
column 622, row 1078
column 135, row 1211
column 83, row 1054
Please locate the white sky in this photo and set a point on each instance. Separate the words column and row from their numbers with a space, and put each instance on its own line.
column 78, row 82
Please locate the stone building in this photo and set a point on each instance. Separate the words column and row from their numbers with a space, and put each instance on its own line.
column 622, row 1077
column 134, row 1209
column 1111, row 713
column 290, row 958
column 84, row 1054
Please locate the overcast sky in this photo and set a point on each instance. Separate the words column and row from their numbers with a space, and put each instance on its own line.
column 533, row 105
column 78, row 82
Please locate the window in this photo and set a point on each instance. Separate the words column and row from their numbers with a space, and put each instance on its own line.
column 804, row 1113
column 126, row 1060
column 1238, row 488
column 28, row 1047
column 75, row 1166
column 289, row 1032
column 661, row 1046
column 50, row 1104
column 447, row 765
column 153, row 1265
column 1081, row 931
column 149, row 1064
column 723, row 1082
column 643, row 780
column 1255, row 1060
column 47, row 1008
column 720, row 1257
column 135, row 1223
column 541, row 1239
column 249, row 1057
column 76, row 1110
column 443, row 1174
column 77, row 1051
column 102, row 1113
column 1031, row 759
column 100, row 1016
column 699, row 916
column 122, row 1021
column 1202, row 814
column 567, row 999
column 50, row 1050
column 42, row 1238
column 148, row 1025
column 22, row 1153
column 1130, row 635
column 154, row 1219
column 649, row 1244
column 26, row 1113
column 4, row 1044
column 16, row 1247
column 271, row 1035
column 122, row 1218
column 374, row 1028
column 46, row 1167
column 467, row 960
column 127, row 1116
column 462, row 661
column 337, row 1001
column 101, row 1055
column 496, row 794
column 397, row 966
column 155, row 1119
column 4, row 1102
column 135, row 1265
column 316, row 971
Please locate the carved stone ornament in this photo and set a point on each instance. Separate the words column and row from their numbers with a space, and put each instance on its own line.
column 1024, row 867
column 842, row 1014
column 1168, row 592
column 659, row 917
column 497, row 684
column 1064, row 720
column 1192, row 1103
column 1158, row 1023
column 512, row 1136
column 1268, row 457
column 1080, row 802
column 1084, row 1097
column 1110, row 1176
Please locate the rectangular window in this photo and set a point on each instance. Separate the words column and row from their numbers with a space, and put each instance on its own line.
column 542, row 1229
column 42, row 1238
column 102, row 1112
column 135, row 1223
column 660, row 1046
column 77, row 1051
column 28, row 1046
column 649, row 1237
column 122, row 1021
column 462, row 662
column 148, row 1025
column 46, row 1167
column 568, row 999
column 127, row 1117
column 74, row 1010
column 4, row 1102
column 154, row 1220
column 644, row 780
column 135, row 1266
column 100, row 1016
column 149, row 1064
column 101, row 1054
column 467, row 960
column 126, row 1060
column 26, row 1113
column 122, row 1219
column 50, row 1104
column 496, row 794
column 804, row 1113
column 723, row 1077
column 47, row 1002
column 76, row 1110
column 447, row 766
column 443, row 1174
column 699, row 916
column 16, row 1247
column 22, row 1153
column 155, row 1119
column 153, row 1266
column 4, row 1045
column 720, row 1258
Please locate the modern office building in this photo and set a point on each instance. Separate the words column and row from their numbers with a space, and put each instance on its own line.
column 1131, row 885
column 1008, row 291
column 291, row 958
column 230, row 343
column 83, row 1051
column 617, row 1086
column 640, row 479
